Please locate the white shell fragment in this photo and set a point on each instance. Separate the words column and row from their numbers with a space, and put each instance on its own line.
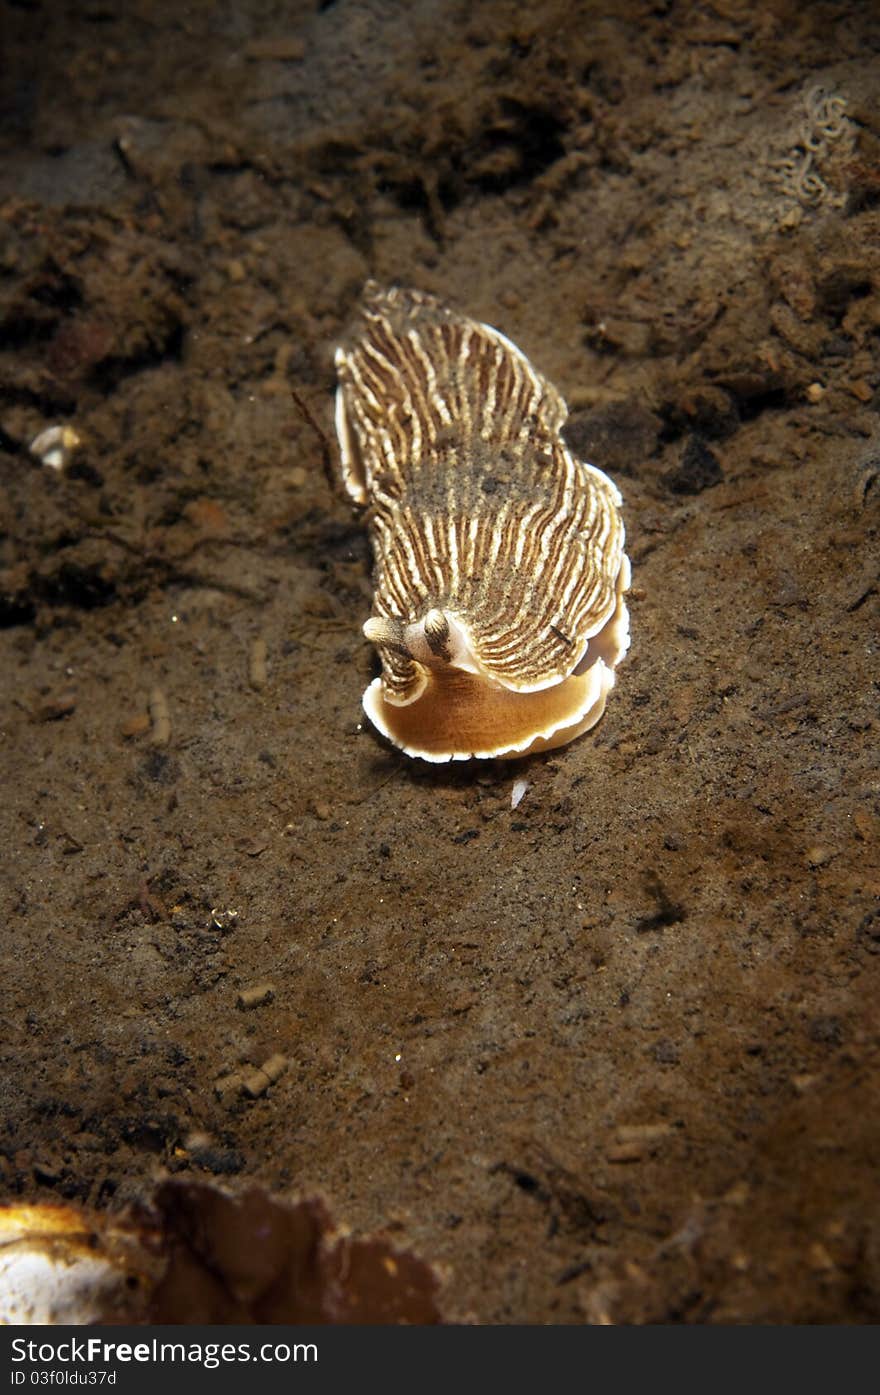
column 60, row 1265
column 55, row 446
column 499, row 611
column 517, row 794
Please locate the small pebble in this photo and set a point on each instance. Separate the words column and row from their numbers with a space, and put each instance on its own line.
column 633, row 1141
column 257, row 1082
column 257, row 668
column 55, row 446
column 803, row 1083
column 255, row 997
column 862, row 390
column 624, row 1152
column 136, row 726
column 161, row 718
column 818, row 856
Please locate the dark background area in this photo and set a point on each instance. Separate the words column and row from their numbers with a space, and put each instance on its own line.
column 612, row 1055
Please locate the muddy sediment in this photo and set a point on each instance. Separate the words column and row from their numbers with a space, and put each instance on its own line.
column 609, row 1055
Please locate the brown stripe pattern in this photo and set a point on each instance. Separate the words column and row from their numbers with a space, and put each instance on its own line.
column 476, row 506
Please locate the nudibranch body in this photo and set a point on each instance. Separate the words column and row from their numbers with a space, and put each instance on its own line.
column 499, row 612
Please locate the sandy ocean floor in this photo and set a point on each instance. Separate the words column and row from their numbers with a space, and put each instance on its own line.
column 610, row 1056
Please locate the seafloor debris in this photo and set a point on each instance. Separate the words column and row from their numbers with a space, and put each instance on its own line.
column 258, row 1080
column 517, row 794
column 195, row 1254
column 224, row 918
column 55, row 446
column 258, row 673
column 160, row 716
column 825, row 129
column 256, row 995
column 499, row 611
